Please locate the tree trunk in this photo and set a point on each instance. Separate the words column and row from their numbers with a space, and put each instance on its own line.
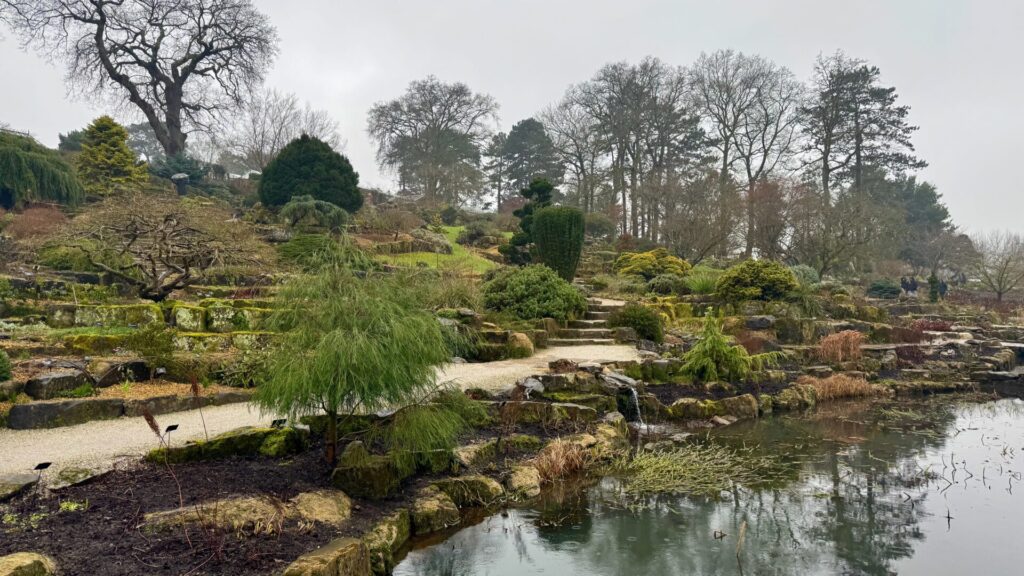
column 331, row 449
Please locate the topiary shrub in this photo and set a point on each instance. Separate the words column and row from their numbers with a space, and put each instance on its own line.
column 558, row 239
column 306, row 212
column 533, row 292
column 5, row 366
column 763, row 280
column 884, row 288
column 650, row 264
column 308, row 166
column 646, row 321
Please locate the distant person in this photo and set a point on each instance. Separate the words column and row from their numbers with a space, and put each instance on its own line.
column 943, row 288
column 905, row 284
column 912, row 283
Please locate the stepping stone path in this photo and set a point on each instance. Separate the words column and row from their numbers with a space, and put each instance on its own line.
column 592, row 329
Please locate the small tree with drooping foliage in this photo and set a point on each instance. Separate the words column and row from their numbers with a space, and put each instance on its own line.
column 106, row 164
column 558, row 237
column 347, row 345
column 308, row 166
column 30, row 172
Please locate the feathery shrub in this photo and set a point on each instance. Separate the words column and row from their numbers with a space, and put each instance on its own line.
column 31, row 172
column 106, row 164
column 762, row 280
column 717, row 356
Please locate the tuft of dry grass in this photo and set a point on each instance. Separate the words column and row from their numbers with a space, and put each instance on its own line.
column 841, row 346
column 925, row 325
column 841, row 386
column 560, row 459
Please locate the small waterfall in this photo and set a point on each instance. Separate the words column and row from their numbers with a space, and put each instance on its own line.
column 636, row 404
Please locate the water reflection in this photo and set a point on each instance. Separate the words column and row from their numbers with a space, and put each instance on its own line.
column 872, row 488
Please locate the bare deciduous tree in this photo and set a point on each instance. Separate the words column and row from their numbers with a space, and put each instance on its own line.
column 180, row 63
column 269, row 121
column 1000, row 263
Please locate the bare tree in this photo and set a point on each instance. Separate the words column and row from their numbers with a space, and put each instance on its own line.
column 578, row 143
column 269, row 121
column 180, row 63
column 159, row 243
column 1000, row 263
column 764, row 140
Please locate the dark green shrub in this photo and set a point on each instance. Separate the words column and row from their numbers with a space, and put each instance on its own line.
column 31, row 172
column 650, row 264
column 449, row 216
column 558, row 237
column 805, row 275
column 533, row 292
column 538, row 195
column 763, row 280
column 600, row 227
column 167, row 166
column 477, row 233
column 310, row 167
column 5, row 366
column 646, row 321
column 666, row 284
column 884, row 288
column 306, row 212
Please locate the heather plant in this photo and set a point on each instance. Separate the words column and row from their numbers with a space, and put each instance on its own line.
column 842, row 346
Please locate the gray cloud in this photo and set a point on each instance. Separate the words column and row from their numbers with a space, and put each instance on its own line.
column 955, row 62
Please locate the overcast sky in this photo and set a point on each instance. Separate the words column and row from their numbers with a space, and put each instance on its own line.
column 957, row 63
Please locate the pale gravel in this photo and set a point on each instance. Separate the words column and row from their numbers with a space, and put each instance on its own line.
column 98, row 445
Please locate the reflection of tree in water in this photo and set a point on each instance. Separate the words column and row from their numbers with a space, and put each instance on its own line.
column 849, row 513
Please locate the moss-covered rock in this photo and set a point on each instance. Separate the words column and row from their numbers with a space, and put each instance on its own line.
column 385, row 539
column 343, row 556
column 13, row 484
column 189, row 318
column 519, row 345
column 121, row 316
column 57, row 413
column 550, row 413
column 247, row 442
column 27, row 564
column 366, row 475
column 694, row 409
column 331, row 507
column 741, row 407
column 480, row 454
column 90, row 344
column 796, row 397
column 249, row 515
column 523, row 482
column 471, row 490
column 599, row 402
column 433, row 511
column 201, row 342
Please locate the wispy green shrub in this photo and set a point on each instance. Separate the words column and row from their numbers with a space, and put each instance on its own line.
column 306, row 212
column 312, row 251
column 349, row 344
column 717, row 356
column 646, row 321
column 533, row 292
column 31, row 172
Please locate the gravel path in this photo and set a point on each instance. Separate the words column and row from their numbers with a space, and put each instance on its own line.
column 99, row 444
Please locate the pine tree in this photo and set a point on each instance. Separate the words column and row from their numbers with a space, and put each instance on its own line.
column 106, row 163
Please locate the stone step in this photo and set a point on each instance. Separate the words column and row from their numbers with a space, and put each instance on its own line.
column 585, row 333
column 580, row 342
column 588, row 324
column 591, row 315
column 603, row 307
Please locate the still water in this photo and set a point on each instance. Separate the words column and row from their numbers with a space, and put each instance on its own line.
column 932, row 487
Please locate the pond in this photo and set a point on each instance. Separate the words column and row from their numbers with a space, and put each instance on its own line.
column 928, row 487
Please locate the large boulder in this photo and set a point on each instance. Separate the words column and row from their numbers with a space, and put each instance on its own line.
column 341, row 557
column 479, row 454
column 248, row 514
column 433, row 511
column 366, row 475
column 385, row 539
column 523, row 482
column 247, row 441
column 427, row 241
column 13, row 484
column 471, row 490
column 796, row 397
column 63, row 413
column 694, row 409
column 741, row 407
column 56, row 383
column 27, row 564
column 519, row 345
column 112, row 373
column 331, row 507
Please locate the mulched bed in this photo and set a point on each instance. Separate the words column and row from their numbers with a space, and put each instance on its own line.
column 669, row 393
column 105, row 537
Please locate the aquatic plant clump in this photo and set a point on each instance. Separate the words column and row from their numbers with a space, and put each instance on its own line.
column 840, row 386
column 699, row 470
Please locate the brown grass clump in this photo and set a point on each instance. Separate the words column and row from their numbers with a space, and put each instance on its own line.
column 840, row 386
column 925, row 325
column 35, row 222
column 560, row 459
column 841, row 346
